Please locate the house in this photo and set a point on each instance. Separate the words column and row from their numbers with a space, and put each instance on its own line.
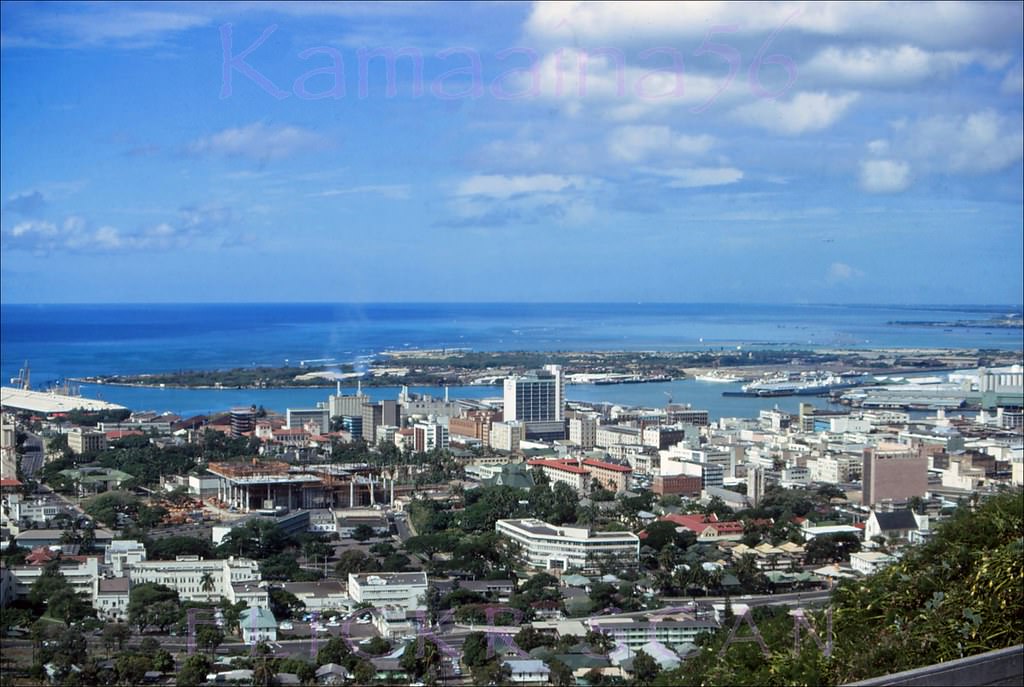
column 708, row 528
column 257, row 625
column 528, row 671
column 897, row 526
column 870, row 562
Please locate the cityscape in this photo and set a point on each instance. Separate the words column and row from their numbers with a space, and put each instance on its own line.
column 511, row 344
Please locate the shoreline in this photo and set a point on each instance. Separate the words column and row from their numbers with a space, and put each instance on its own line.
column 486, row 369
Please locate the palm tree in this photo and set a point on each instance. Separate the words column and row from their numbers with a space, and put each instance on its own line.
column 207, row 584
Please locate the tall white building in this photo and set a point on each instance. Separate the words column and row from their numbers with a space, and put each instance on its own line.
column 548, row 547
column 538, row 400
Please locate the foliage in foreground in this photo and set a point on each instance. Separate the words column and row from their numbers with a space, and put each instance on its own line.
column 958, row 595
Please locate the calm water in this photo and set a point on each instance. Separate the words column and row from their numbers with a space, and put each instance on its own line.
column 80, row 340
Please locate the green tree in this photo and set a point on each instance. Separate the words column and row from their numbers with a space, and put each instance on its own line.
column 115, row 634
column 152, row 604
column 194, row 671
column 335, row 651
column 420, row 657
column 131, row 668
column 474, row 649
column 561, row 674
column 362, row 532
column 645, row 668
column 208, row 638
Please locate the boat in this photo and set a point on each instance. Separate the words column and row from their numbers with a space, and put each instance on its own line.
column 718, row 378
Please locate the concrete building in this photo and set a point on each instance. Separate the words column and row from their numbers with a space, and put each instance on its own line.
column 195, row 578
column 538, row 400
column 429, row 436
column 870, row 562
column 893, row 471
column 678, row 485
column 121, row 554
column 583, row 431
column 243, row 421
column 668, row 630
column 507, row 436
column 86, row 441
column 567, row 471
column 339, row 405
column 614, row 478
column 406, row 590
column 377, row 414
column 547, row 547
column 755, row 484
column 299, row 418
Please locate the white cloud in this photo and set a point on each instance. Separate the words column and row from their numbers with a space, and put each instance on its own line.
column 500, row 186
column 804, row 112
column 841, row 272
column 1013, row 82
column 703, row 176
column 940, row 24
column 884, row 176
column 74, row 235
column 890, row 66
column 259, row 142
column 978, row 143
column 635, row 143
column 878, row 147
column 396, row 191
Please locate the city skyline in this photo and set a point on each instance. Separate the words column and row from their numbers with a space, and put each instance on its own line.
column 180, row 152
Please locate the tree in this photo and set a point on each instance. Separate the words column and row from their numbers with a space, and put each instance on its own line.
column 474, row 649
column 493, row 672
column 208, row 638
column 364, row 673
column 152, row 604
column 207, row 584
column 561, row 674
column 362, row 532
column 131, row 668
column 420, row 657
column 284, row 604
column 355, row 561
column 335, row 651
column 115, row 634
column 645, row 668
column 194, row 671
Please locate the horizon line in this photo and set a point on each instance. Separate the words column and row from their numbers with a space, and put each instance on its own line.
column 530, row 302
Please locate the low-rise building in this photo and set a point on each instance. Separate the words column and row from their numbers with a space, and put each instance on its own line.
column 548, row 547
column 257, row 625
column 196, row 578
column 110, row 597
column 668, row 630
column 407, row 590
column 322, row 595
column 870, row 562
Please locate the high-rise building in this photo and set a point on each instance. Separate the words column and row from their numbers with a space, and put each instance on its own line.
column 538, row 400
column 377, row 414
column 755, row 484
column 243, row 420
column 893, row 471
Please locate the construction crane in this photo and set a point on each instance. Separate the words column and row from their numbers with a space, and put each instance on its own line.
column 23, row 380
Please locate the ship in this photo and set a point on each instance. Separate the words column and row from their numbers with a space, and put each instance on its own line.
column 718, row 378
column 802, row 384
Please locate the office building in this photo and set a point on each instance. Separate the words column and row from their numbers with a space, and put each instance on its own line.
column 300, row 418
column 196, row 578
column 538, row 400
column 377, row 414
column 583, row 431
column 243, row 421
column 86, row 441
column 406, row 590
column 893, row 471
column 547, row 547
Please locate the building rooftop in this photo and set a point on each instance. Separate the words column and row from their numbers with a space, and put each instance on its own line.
column 390, row 579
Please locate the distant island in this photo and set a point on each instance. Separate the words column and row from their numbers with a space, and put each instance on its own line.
column 461, row 367
column 1009, row 322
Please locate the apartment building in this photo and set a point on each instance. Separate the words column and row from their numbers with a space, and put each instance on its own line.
column 668, row 630
column 893, row 471
column 548, row 547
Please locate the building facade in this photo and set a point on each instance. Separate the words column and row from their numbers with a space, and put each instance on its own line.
column 547, row 547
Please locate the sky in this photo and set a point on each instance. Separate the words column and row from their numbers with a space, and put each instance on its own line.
column 704, row 152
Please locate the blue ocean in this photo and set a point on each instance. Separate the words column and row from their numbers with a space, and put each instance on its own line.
column 61, row 341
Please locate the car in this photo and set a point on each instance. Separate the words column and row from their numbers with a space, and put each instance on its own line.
column 286, row 626
column 333, row 622
column 365, row 620
column 322, row 628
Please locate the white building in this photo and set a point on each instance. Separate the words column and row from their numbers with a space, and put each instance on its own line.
column 537, row 399
column 870, row 562
column 548, row 547
column 122, row 553
column 195, row 578
column 257, row 625
column 507, row 436
column 407, row 590
column 583, row 431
